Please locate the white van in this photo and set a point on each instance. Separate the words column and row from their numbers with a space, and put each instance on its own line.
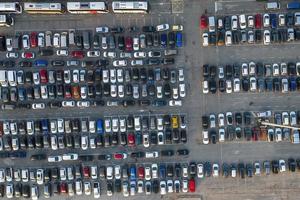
column 63, row 39
column 71, row 37
column 273, row 6
column 3, row 78
column 211, row 24
column 11, row 76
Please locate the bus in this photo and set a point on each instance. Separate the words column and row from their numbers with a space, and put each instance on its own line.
column 11, row 7
column 130, row 7
column 87, row 7
column 6, row 20
column 43, row 8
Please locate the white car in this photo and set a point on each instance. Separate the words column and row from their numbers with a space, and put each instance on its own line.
column 122, row 125
column 215, row 169
column 285, row 118
column 139, row 54
column 83, row 92
column 245, row 70
column 70, row 156
column 205, row 39
column 221, row 135
column 175, row 103
column 120, row 63
column 12, row 55
column 253, row 84
column 242, row 20
column 291, row 34
column 276, row 69
column 136, row 44
column 236, row 85
column 228, row 38
column 163, row 187
column 137, row 62
column 282, row 167
column 109, row 54
column 25, row 42
column 75, row 76
column 96, row 190
column 200, row 170
column 62, row 52
column 93, row 54
column 221, row 119
column 56, row 40
column 41, row 40
column 9, row 46
column 184, row 186
column 40, row 176
column 180, row 75
column 162, row 27
column 113, row 91
column 281, row 20
column 257, row 168
column 205, row 137
column 228, row 86
column 140, row 186
column 146, row 140
column 102, row 29
column 87, row 188
column 293, row 118
column 267, row 37
column 234, row 22
column 117, row 170
column 284, row 85
column 205, row 89
column 120, row 77
column 125, row 55
column 54, row 158
column 153, row 154
column 174, row 92
column 84, row 142
column 38, row 106
column 78, row 187
column 182, row 90
column 68, row 103
column 266, row 20
column 83, row 104
column 250, row 21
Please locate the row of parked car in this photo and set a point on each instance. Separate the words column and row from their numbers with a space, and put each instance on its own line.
column 99, row 126
column 266, row 37
column 112, row 75
column 257, row 21
column 93, row 141
column 263, row 77
column 100, row 40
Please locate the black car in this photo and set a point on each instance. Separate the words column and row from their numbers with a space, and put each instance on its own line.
column 193, row 169
column 121, row 42
column 148, row 29
column 167, row 153
column 212, row 71
column 205, row 71
column 86, row 158
column 213, row 136
column 144, row 102
column 18, row 190
column 170, row 170
column 241, row 170
column 159, row 103
column 222, row 85
column 25, row 64
column 38, row 157
column 238, row 118
column 212, row 86
column 207, row 169
column 109, row 187
column 258, row 36
column 182, row 152
column 183, row 136
column 228, row 71
column 205, row 121
column 225, row 169
column 245, row 84
column 275, row 166
column 58, row 63
column 292, row 69
column 25, row 191
column 292, row 164
column 155, row 186
column 276, row 84
column 46, row 52
column 117, row 30
column 289, row 19
column 102, row 63
column 168, row 61
column 171, row 39
column 138, row 154
column 249, row 169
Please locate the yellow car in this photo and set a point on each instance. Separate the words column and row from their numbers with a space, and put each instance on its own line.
column 175, row 122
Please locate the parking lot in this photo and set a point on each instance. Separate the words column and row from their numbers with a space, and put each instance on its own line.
column 191, row 57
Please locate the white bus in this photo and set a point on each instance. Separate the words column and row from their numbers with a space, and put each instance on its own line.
column 11, row 7
column 86, row 7
column 6, row 20
column 130, row 7
column 43, row 8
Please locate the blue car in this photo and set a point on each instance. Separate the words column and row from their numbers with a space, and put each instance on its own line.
column 22, row 94
column 132, row 173
column 293, row 84
column 100, row 126
column 163, row 40
column 41, row 63
column 138, row 138
column 45, row 129
column 273, row 19
column 178, row 39
column 162, row 171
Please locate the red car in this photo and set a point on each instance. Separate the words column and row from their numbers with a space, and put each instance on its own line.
column 203, row 22
column 258, row 21
column 33, row 39
column 68, row 93
column 131, row 139
column 28, row 55
column 63, row 188
column 192, row 185
column 43, row 75
column 120, row 156
column 86, row 172
column 77, row 54
column 128, row 44
column 141, row 172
